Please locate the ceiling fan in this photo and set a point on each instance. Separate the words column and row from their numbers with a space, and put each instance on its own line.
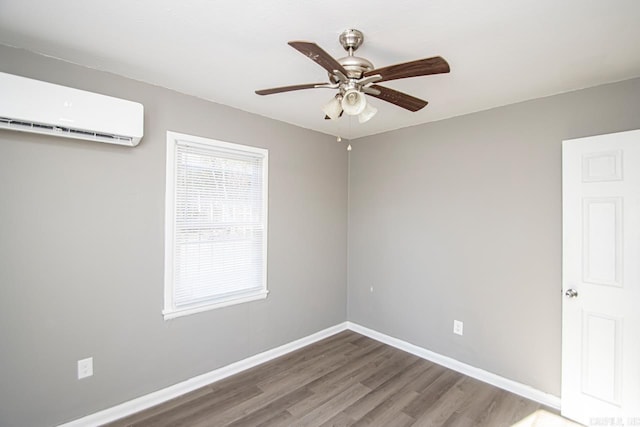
column 354, row 77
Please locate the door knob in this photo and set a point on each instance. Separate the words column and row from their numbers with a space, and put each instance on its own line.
column 571, row 293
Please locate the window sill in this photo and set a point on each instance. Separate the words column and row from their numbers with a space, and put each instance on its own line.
column 174, row 313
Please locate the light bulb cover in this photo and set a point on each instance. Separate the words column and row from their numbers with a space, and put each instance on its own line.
column 333, row 108
column 353, row 102
column 368, row 112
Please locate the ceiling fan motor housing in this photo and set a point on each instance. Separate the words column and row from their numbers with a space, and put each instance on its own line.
column 355, row 66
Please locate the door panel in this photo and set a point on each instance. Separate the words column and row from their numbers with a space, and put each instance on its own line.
column 602, row 240
column 601, row 351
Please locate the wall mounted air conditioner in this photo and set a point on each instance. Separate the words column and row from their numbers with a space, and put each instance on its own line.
column 33, row 106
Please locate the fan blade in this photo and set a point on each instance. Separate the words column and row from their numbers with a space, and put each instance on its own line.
column 421, row 67
column 400, row 99
column 290, row 88
column 316, row 54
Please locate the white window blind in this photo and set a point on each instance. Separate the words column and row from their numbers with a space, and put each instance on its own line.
column 217, row 253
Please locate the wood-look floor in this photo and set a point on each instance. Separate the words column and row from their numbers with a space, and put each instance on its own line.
column 348, row 380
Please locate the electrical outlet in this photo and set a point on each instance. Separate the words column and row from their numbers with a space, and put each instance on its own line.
column 85, row 368
column 371, row 289
column 457, row 327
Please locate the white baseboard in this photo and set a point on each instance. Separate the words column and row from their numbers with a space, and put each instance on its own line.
column 155, row 398
column 171, row 392
column 477, row 373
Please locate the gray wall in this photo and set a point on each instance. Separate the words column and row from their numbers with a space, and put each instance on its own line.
column 82, row 253
column 461, row 219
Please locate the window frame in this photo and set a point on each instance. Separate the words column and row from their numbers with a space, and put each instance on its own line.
column 173, row 140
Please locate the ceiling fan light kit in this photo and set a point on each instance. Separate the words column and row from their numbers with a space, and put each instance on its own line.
column 354, row 77
column 353, row 102
column 368, row 112
column 333, row 108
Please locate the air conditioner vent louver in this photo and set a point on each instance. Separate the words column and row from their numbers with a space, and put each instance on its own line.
column 33, row 127
column 38, row 107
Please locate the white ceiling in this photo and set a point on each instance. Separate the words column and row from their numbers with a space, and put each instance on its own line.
column 500, row 51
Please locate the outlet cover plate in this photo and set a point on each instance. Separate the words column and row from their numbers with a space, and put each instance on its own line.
column 85, row 368
column 457, row 327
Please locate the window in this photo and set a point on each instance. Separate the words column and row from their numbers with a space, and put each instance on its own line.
column 216, row 224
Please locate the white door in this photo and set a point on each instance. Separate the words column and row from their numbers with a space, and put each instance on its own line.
column 601, row 279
